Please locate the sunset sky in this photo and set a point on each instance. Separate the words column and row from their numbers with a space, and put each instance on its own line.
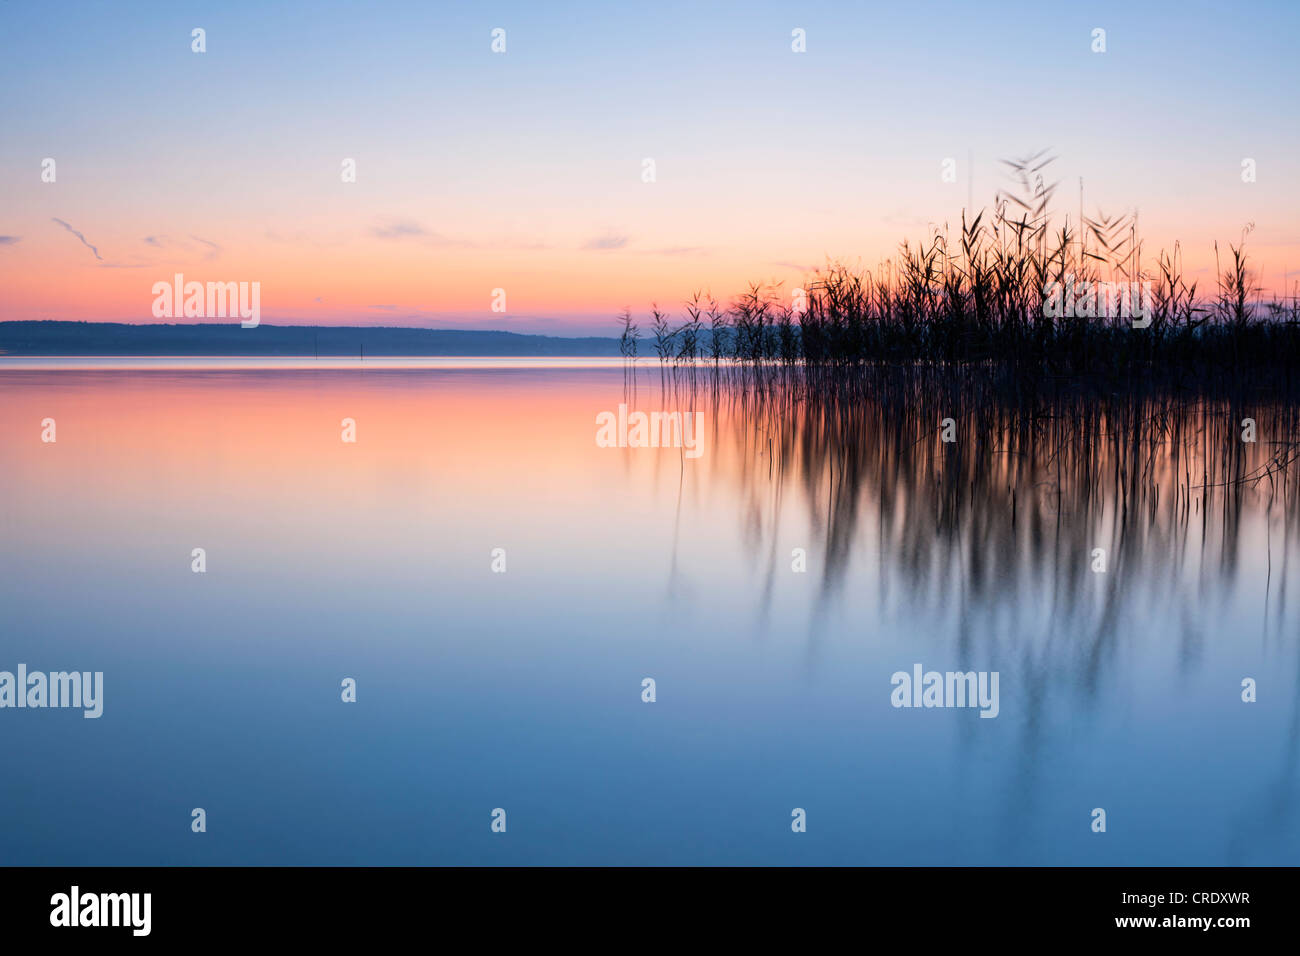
column 523, row 170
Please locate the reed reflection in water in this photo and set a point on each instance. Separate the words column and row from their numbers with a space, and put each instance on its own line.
column 1119, row 689
column 1086, row 544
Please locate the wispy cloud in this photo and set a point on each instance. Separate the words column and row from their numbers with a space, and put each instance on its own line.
column 606, row 242
column 399, row 229
column 214, row 250
column 409, row 229
column 9, row 240
column 187, row 246
column 81, row 237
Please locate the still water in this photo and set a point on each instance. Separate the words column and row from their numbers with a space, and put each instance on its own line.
column 1119, row 689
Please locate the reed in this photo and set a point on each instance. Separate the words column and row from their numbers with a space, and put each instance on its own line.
column 982, row 298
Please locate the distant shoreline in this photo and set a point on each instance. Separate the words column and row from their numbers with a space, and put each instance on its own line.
column 62, row 338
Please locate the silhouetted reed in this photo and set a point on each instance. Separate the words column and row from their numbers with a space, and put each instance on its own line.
column 1014, row 292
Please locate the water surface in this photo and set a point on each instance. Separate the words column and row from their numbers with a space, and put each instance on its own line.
column 522, row 690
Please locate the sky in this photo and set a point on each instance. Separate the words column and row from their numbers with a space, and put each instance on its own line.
column 524, row 171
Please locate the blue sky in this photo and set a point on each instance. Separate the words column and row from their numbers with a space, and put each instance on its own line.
column 523, row 171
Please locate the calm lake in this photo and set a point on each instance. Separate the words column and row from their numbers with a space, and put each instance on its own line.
column 770, row 587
